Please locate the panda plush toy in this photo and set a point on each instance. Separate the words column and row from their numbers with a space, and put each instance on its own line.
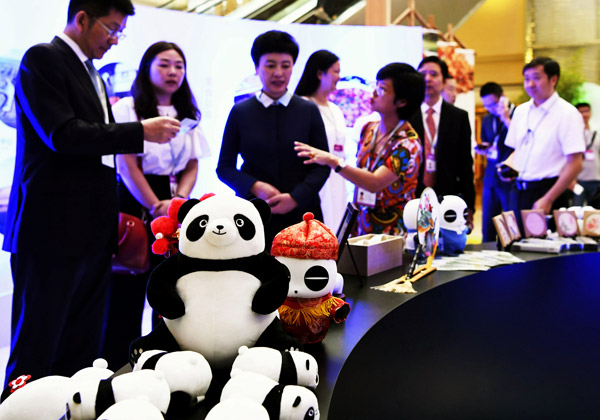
column 288, row 367
column 133, row 409
column 282, row 402
column 309, row 250
column 92, row 398
column 409, row 216
column 453, row 225
column 187, row 373
column 221, row 290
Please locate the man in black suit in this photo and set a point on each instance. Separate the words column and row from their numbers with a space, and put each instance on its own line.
column 445, row 133
column 494, row 126
column 62, row 215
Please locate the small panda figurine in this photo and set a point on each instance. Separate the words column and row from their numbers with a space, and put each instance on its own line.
column 409, row 216
column 92, row 398
column 222, row 290
column 238, row 408
column 289, row 402
column 289, row 367
column 453, row 225
column 133, row 409
column 187, row 373
column 44, row 398
column 98, row 371
column 41, row 399
column 309, row 250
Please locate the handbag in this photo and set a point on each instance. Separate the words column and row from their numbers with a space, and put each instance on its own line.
column 133, row 254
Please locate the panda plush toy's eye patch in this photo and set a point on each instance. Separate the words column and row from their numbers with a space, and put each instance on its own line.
column 316, row 278
column 450, row 216
column 244, row 226
column 197, row 228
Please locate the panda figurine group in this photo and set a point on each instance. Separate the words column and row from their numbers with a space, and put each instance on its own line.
column 221, row 291
column 219, row 297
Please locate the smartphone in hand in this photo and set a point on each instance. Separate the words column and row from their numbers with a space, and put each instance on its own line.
column 481, row 148
column 507, row 172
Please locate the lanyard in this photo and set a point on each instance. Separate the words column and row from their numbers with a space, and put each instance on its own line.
column 530, row 134
column 589, row 146
column 382, row 150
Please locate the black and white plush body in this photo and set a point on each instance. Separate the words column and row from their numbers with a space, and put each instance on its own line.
column 221, row 291
column 92, row 398
column 283, row 402
column 187, row 373
column 287, row 367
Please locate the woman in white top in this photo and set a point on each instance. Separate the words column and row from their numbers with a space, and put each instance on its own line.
column 150, row 180
column 319, row 79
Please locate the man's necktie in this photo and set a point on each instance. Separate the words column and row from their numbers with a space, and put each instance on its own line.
column 95, row 78
column 108, row 160
column 429, row 174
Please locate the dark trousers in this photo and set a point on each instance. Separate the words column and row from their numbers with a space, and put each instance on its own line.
column 123, row 317
column 128, row 292
column 57, row 313
column 523, row 199
column 495, row 199
column 589, row 190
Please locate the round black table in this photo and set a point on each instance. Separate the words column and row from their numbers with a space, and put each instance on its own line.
column 520, row 341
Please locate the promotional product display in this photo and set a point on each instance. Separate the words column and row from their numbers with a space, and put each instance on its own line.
column 309, row 250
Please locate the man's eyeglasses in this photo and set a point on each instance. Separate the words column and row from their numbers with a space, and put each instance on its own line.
column 112, row 33
column 380, row 90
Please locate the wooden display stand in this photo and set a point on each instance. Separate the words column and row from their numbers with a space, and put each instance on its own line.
column 404, row 283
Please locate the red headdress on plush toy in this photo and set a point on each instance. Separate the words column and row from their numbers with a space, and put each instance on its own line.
column 166, row 229
column 309, row 239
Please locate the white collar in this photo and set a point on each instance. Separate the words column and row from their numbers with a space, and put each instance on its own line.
column 76, row 49
column 437, row 107
column 267, row 101
column 547, row 103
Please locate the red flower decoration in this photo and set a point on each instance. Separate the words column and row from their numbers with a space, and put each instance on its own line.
column 20, row 382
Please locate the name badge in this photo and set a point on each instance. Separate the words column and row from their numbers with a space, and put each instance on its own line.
column 365, row 198
column 430, row 162
column 590, row 155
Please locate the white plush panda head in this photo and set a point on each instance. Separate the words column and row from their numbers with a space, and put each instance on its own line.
column 310, row 278
column 299, row 403
column 453, row 212
column 409, row 215
column 309, row 250
column 222, row 227
column 307, row 369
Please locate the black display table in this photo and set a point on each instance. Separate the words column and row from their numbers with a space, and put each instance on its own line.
column 520, row 341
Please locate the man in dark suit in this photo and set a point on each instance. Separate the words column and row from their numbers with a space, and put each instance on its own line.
column 62, row 215
column 496, row 192
column 445, row 133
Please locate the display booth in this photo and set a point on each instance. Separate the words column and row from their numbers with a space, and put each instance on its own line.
column 220, row 70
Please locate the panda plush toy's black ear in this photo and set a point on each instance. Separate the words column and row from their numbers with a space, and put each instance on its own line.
column 263, row 209
column 185, row 208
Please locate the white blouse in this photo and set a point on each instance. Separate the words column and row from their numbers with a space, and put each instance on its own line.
column 168, row 158
column 333, row 194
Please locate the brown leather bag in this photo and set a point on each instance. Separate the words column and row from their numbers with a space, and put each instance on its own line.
column 133, row 255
